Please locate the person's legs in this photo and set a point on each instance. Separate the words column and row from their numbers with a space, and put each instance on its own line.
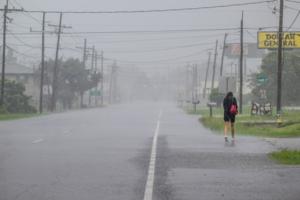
column 226, row 126
column 232, row 121
column 232, row 130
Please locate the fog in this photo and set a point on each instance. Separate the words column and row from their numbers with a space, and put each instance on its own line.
column 145, row 50
column 149, row 100
column 146, row 41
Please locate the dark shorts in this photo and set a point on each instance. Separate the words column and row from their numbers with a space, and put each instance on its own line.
column 229, row 117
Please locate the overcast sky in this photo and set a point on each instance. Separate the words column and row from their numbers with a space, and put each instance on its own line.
column 147, row 50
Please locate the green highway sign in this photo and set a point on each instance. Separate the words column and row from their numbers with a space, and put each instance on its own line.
column 95, row 92
column 261, row 78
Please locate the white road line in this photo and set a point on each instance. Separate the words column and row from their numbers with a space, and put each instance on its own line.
column 151, row 170
column 37, row 141
column 67, row 132
column 159, row 115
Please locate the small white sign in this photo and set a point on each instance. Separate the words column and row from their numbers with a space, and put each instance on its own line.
column 47, row 89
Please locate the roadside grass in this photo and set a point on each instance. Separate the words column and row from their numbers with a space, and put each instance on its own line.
column 6, row 117
column 217, row 124
column 204, row 111
column 289, row 128
column 287, row 157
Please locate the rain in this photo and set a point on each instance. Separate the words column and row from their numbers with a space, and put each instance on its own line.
column 150, row 100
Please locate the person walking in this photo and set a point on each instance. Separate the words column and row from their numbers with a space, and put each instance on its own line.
column 230, row 111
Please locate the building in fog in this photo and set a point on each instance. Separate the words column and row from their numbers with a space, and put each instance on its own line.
column 14, row 71
column 25, row 75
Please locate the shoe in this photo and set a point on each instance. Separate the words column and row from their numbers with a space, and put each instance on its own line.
column 226, row 139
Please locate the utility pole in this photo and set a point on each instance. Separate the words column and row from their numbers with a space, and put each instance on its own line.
column 223, row 54
column 5, row 11
column 235, row 71
column 199, row 84
column 241, row 63
column 187, row 82
column 3, row 53
column 195, row 83
column 112, row 84
column 214, row 67
column 84, row 53
column 279, row 61
column 93, row 59
column 55, row 71
column 84, row 58
column 102, row 79
column 115, row 88
column 42, row 78
column 96, row 66
column 206, row 75
column 91, row 72
column 42, row 64
column 245, row 66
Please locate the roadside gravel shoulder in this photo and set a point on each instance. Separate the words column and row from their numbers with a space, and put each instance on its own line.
column 284, row 143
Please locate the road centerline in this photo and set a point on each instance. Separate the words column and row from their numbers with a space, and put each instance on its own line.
column 37, row 141
column 67, row 132
column 151, row 170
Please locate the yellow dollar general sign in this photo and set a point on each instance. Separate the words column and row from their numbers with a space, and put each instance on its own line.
column 269, row 40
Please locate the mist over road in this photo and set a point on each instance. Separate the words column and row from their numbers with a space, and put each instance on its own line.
column 105, row 154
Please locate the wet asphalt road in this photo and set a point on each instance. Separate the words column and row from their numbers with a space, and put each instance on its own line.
column 104, row 154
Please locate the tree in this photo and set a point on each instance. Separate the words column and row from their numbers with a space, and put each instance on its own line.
column 72, row 79
column 266, row 79
column 15, row 101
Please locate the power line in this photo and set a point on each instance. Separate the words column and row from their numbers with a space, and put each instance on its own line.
column 251, row 35
column 158, row 61
column 19, row 26
column 26, row 13
column 46, row 47
column 22, row 54
column 19, row 39
column 78, row 51
column 295, row 19
column 165, row 49
column 291, row 8
column 114, row 39
column 146, row 51
column 154, row 10
column 153, row 31
column 293, row 1
column 157, row 39
column 132, row 32
column 122, row 61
